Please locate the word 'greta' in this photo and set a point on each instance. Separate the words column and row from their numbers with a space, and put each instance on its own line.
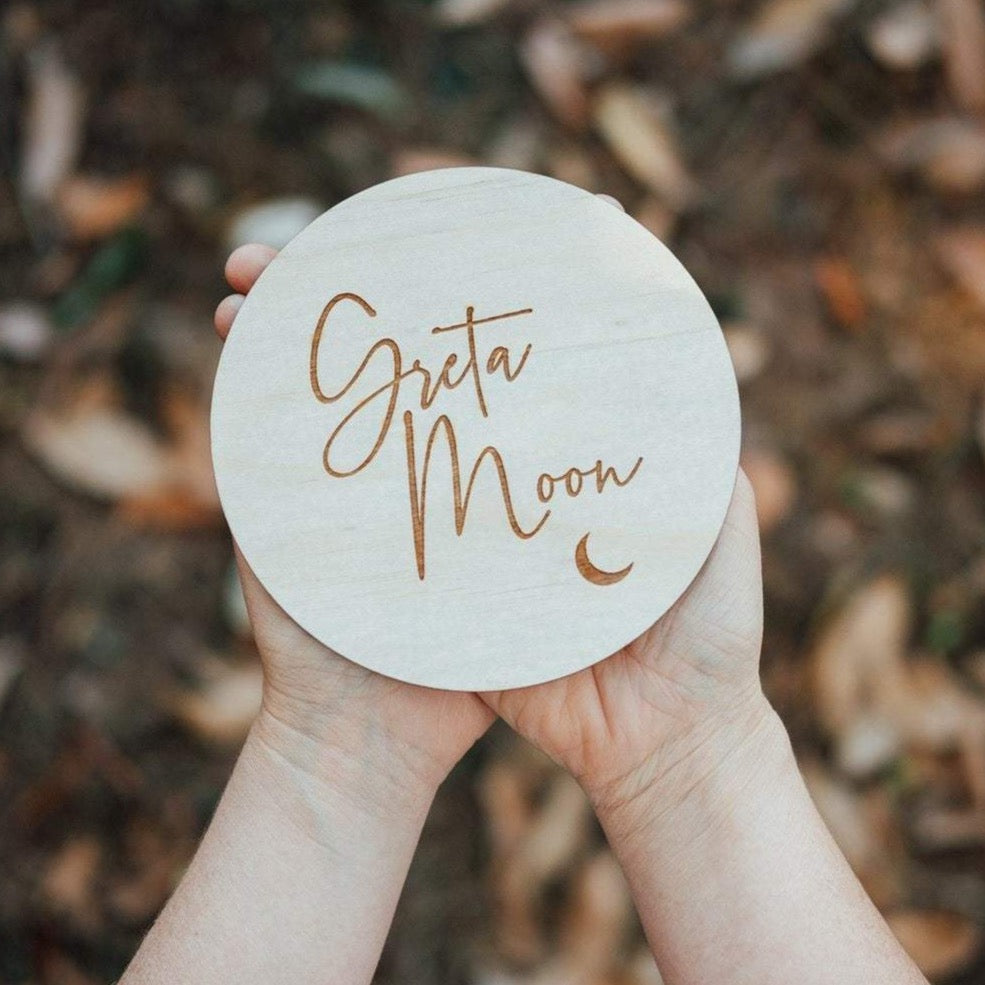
column 383, row 402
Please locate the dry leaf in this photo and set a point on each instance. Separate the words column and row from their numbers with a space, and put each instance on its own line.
column 53, row 125
column 617, row 27
column 948, row 152
column 940, row 943
column 274, row 223
column 410, row 160
column 100, row 450
column 962, row 252
column 841, row 290
column 774, row 484
column 905, row 37
column 864, row 829
column 749, row 349
column 224, row 707
column 655, row 216
column 556, row 65
column 902, row 432
column 638, row 133
column 596, row 917
column 857, row 659
column 963, row 36
column 948, row 828
column 68, row 884
column 26, row 332
column 463, row 13
column 92, row 208
column 782, row 34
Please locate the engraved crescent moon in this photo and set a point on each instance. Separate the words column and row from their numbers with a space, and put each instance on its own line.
column 591, row 573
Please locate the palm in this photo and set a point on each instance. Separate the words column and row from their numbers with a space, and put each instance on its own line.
column 700, row 660
column 307, row 685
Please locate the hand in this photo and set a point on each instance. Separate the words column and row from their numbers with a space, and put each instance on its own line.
column 323, row 712
column 686, row 690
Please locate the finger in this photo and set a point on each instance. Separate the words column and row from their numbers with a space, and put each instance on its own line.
column 612, row 201
column 246, row 263
column 225, row 313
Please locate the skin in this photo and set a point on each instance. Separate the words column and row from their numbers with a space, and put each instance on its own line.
column 690, row 771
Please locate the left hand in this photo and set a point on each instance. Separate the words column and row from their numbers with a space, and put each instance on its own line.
column 325, row 713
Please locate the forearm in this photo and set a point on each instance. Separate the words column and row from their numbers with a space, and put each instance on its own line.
column 738, row 881
column 296, row 879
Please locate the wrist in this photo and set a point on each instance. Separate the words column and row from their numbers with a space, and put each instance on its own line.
column 349, row 764
column 698, row 779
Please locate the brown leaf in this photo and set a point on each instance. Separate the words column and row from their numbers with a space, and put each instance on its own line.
column 617, row 27
column 68, row 884
column 857, row 661
column 464, row 13
column 410, row 160
column 53, row 124
column 93, row 208
column 841, row 290
column 864, row 829
column 774, row 484
column 639, row 135
column 905, row 36
column 962, row 253
column 556, row 66
column 26, row 332
column 749, row 349
column 782, row 34
column 940, row 943
column 224, row 707
column 596, row 917
column 948, row 152
column 100, row 450
column 963, row 34
column 274, row 222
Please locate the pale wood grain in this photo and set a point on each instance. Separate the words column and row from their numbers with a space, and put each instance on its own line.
column 626, row 366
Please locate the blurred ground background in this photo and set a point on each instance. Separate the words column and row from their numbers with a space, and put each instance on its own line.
column 818, row 165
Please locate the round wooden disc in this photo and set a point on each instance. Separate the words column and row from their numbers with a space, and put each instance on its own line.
column 475, row 429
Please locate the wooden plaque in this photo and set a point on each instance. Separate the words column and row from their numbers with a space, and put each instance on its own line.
column 475, row 428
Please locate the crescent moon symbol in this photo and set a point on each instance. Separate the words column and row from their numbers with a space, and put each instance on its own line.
column 595, row 575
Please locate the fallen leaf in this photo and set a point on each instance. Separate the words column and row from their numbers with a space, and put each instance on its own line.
column 948, row 152
column 26, row 331
column 940, row 943
column 639, row 135
column 749, row 349
column 782, row 34
column 618, row 27
column 556, row 65
column 962, row 253
column 366, row 87
column 939, row 829
column 857, row 659
column 773, row 482
column 12, row 654
column 92, row 208
column 234, row 605
column 52, row 126
column 842, row 292
column 864, row 829
column 595, row 920
column 963, row 37
column 224, row 707
column 904, row 37
column 465, row 13
column 101, row 451
column 657, row 217
column 274, row 223
column 68, row 884
column 902, row 432
column 642, row 969
column 410, row 160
